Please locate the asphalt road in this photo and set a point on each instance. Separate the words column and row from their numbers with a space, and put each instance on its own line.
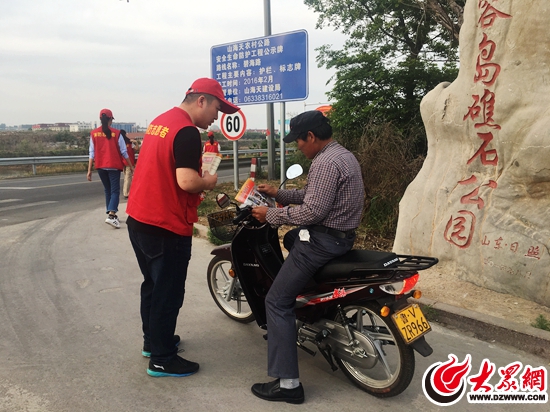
column 26, row 199
column 70, row 334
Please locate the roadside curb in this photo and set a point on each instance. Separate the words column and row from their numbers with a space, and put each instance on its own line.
column 488, row 328
column 484, row 327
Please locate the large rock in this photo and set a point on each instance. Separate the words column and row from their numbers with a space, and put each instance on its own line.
column 481, row 202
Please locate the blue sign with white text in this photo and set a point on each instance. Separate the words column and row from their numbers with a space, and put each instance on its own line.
column 263, row 70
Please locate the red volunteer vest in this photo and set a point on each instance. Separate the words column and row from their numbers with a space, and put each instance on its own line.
column 156, row 196
column 106, row 151
column 131, row 155
column 214, row 148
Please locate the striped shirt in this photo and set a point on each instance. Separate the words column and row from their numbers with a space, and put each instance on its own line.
column 333, row 195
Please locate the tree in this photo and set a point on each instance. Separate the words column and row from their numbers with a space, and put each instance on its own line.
column 397, row 51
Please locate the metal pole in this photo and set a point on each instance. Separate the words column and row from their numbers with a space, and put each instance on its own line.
column 236, row 164
column 270, row 114
column 282, row 145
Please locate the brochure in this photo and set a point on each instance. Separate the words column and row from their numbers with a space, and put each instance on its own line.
column 248, row 195
column 210, row 162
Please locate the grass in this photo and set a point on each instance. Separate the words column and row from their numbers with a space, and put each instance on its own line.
column 430, row 312
column 17, row 171
column 541, row 323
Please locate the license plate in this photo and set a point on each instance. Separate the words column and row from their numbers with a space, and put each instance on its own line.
column 411, row 323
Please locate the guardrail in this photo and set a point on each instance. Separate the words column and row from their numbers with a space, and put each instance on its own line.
column 34, row 161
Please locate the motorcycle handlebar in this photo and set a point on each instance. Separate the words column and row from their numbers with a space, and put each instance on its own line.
column 242, row 214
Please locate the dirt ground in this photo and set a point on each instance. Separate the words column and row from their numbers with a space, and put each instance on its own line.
column 447, row 288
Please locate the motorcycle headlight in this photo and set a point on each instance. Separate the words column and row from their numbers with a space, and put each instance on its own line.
column 401, row 287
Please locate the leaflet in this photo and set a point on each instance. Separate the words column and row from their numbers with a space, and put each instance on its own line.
column 248, row 195
column 210, row 162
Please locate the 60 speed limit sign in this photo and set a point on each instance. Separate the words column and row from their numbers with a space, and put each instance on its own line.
column 233, row 125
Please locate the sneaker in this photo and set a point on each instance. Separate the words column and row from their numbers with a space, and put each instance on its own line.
column 146, row 351
column 177, row 367
column 113, row 221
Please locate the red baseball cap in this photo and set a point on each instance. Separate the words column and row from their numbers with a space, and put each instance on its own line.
column 211, row 133
column 107, row 113
column 210, row 86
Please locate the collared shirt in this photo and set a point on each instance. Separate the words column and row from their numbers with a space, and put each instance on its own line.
column 333, row 195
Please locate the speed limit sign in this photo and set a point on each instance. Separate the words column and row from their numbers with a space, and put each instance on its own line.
column 233, row 125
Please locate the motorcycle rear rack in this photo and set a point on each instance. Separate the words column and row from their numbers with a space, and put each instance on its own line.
column 408, row 262
column 394, row 267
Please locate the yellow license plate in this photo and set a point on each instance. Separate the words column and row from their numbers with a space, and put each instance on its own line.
column 411, row 323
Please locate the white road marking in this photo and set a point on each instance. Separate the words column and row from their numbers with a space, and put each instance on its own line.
column 26, row 205
column 10, row 200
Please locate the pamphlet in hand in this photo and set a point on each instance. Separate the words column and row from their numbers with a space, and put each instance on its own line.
column 248, row 195
column 210, row 162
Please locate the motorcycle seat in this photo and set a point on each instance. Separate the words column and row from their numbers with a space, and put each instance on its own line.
column 357, row 263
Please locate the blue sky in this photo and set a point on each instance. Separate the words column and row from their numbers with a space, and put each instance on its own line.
column 64, row 60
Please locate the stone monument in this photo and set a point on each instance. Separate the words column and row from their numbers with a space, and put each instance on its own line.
column 481, row 202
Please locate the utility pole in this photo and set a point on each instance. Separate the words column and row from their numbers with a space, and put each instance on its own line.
column 270, row 112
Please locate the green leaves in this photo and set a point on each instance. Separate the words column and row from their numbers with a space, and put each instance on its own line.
column 397, row 51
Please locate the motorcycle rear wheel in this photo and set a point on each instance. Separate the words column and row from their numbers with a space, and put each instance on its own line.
column 394, row 368
column 222, row 285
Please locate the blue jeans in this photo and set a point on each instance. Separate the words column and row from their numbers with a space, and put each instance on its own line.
column 111, row 184
column 163, row 262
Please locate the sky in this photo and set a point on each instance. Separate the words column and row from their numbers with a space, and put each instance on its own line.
column 62, row 61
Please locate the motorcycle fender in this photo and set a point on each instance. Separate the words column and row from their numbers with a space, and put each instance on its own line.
column 223, row 251
column 421, row 346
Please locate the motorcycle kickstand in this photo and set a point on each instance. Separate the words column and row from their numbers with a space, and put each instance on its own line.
column 327, row 354
column 306, row 349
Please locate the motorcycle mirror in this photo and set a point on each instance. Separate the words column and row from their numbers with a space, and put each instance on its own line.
column 223, row 200
column 294, row 171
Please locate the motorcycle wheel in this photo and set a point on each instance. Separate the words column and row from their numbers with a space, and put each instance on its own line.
column 394, row 367
column 222, row 285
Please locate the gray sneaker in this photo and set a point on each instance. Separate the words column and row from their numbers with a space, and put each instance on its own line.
column 113, row 221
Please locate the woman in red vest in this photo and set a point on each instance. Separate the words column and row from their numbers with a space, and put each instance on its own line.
column 211, row 145
column 107, row 148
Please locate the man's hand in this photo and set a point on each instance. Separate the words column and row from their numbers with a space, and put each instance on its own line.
column 210, row 180
column 267, row 189
column 259, row 213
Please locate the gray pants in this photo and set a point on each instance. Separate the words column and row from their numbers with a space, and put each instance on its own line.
column 304, row 260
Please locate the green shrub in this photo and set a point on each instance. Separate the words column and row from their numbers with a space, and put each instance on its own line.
column 541, row 323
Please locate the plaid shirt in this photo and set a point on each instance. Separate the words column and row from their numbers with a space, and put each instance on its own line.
column 333, row 195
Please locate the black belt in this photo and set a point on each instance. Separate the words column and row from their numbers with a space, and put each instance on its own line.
column 332, row 232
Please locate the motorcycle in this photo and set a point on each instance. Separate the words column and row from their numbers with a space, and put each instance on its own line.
column 354, row 311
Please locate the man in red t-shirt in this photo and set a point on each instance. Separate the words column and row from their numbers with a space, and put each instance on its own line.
column 166, row 190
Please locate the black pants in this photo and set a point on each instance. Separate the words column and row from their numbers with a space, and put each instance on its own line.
column 305, row 258
column 163, row 262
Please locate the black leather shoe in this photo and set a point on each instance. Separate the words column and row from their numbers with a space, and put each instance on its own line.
column 273, row 392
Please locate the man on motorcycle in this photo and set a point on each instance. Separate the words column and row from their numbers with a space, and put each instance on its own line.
column 328, row 210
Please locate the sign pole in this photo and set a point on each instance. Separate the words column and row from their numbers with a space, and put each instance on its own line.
column 282, row 134
column 270, row 111
column 236, row 163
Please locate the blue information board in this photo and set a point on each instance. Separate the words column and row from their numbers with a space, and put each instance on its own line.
column 263, row 70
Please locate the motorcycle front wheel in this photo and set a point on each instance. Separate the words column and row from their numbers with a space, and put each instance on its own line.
column 393, row 369
column 227, row 291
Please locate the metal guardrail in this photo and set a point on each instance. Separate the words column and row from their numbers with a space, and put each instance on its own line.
column 10, row 161
column 34, row 161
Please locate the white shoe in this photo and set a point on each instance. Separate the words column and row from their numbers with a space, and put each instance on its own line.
column 113, row 221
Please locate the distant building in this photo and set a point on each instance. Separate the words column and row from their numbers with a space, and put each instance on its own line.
column 61, row 127
column 41, row 126
column 81, row 127
column 129, row 127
